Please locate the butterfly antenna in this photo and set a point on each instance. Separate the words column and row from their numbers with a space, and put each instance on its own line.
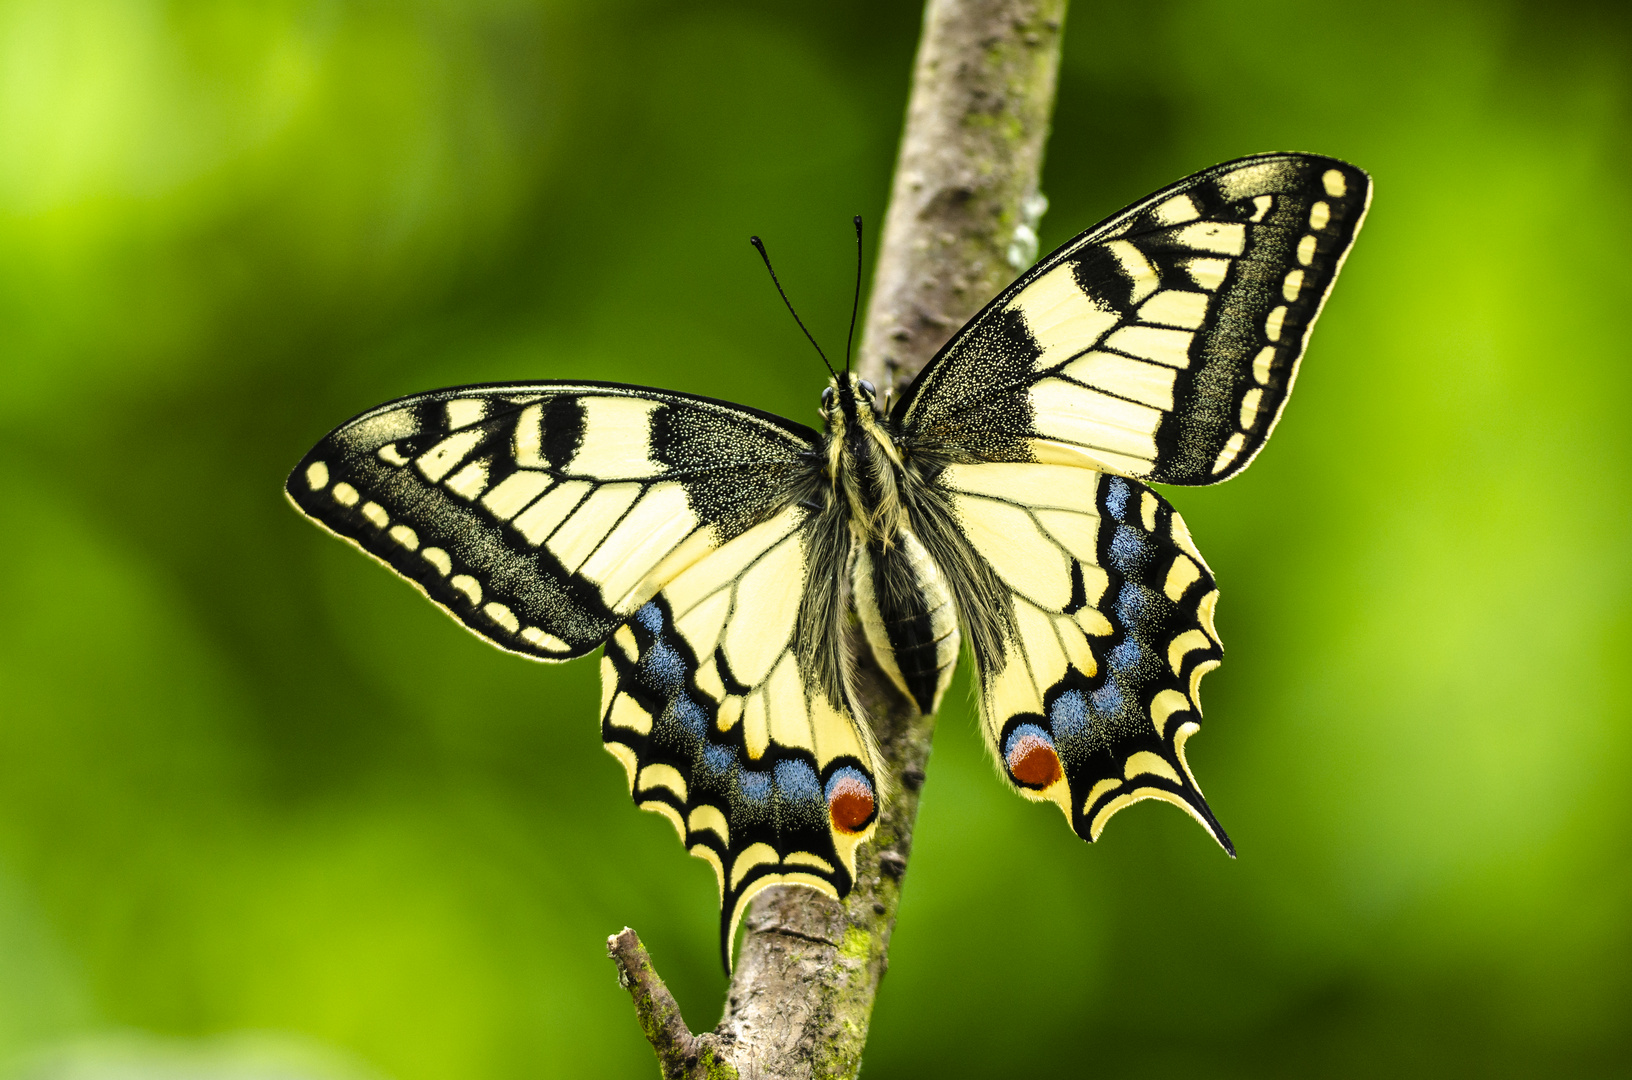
column 855, row 305
column 759, row 246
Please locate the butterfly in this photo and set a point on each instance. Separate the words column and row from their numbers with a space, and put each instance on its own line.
column 718, row 554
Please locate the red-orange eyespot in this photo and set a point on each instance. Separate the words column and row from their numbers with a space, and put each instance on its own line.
column 1031, row 758
column 850, row 801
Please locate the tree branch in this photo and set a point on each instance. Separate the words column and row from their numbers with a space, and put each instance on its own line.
column 961, row 223
column 964, row 206
column 679, row 1052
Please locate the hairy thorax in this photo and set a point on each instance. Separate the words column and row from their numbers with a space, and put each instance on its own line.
column 902, row 597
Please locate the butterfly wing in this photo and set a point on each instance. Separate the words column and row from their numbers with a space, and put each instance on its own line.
column 1094, row 689
column 542, row 515
column 723, row 730
column 549, row 518
column 1161, row 344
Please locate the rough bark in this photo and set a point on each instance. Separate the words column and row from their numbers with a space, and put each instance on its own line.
column 964, row 205
column 961, row 223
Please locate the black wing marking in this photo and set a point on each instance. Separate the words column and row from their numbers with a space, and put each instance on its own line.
column 1092, row 694
column 725, row 732
column 1160, row 344
column 541, row 515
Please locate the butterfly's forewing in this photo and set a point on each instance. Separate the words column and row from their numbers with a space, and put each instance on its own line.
column 1162, row 343
column 1095, row 690
column 541, row 515
column 723, row 730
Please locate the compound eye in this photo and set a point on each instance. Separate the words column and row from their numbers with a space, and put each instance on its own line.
column 868, row 388
column 827, row 398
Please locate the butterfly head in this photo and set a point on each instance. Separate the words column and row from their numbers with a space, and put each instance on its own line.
column 849, row 402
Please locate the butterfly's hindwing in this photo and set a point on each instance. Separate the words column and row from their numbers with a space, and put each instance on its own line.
column 723, row 730
column 1094, row 690
column 1161, row 344
column 542, row 515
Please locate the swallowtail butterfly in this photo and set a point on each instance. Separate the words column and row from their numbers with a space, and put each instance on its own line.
column 716, row 553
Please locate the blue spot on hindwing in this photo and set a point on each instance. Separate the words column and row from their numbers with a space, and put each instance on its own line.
column 651, row 617
column 1107, row 701
column 1132, row 605
column 663, row 669
column 1116, row 497
column 687, row 714
column 796, row 781
column 717, row 763
column 755, row 787
column 1131, row 551
column 1129, row 656
column 1068, row 716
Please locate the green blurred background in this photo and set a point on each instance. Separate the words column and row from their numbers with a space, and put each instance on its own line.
column 259, row 800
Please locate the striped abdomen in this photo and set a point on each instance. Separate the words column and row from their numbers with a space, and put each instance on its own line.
column 908, row 614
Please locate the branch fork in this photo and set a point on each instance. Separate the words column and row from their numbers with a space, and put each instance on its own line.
column 679, row 1052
